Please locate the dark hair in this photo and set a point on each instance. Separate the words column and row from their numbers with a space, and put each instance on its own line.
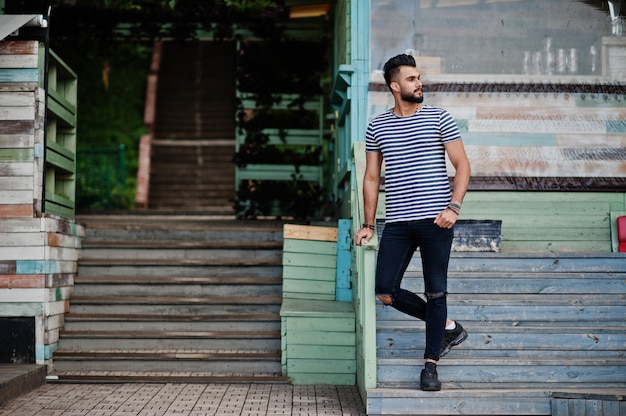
column 392, row 65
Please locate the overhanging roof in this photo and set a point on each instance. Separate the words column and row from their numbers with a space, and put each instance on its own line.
column 9, row 23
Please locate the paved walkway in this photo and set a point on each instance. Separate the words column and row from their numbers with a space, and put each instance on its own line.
column 136, row 399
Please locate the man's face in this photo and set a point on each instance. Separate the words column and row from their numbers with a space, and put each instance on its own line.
column 409, row 84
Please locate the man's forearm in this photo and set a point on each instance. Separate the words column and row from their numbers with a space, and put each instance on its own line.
column 370, row 200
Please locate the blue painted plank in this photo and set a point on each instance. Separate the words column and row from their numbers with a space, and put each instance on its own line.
column 343, row 291
column 19, row 75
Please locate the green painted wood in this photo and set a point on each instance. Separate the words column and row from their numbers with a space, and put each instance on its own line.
column 16, row 155
column 333, row 324
column 309, row 296
column 322, row 379
column 279, row 172
column 307, row 246
column 328, row 366
column 22, row 309
column 324, row 274
column 321, row 351
column 311, row 287
column 302, row 259
column 59, row 107
column 316, row 308
column 320, row 338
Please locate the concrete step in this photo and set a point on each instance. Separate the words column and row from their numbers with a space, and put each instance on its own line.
column 18, row 379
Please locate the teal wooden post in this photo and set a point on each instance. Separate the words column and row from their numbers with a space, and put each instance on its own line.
column 343, row 290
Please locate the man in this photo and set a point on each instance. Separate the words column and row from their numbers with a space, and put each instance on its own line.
column 413, row 139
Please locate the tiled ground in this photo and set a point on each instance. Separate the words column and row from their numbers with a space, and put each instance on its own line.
column 138, row 399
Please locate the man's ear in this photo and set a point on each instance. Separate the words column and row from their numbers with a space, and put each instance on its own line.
column 395, row 87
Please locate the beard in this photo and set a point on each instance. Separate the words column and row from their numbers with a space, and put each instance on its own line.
column 411, row 98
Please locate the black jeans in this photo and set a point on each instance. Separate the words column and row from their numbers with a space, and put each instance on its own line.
column 397, row 246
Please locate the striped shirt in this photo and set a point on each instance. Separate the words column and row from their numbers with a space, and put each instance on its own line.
column 416, row 180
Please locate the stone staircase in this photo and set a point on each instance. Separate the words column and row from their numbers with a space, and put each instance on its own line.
column 166, row 298
column 540, row 326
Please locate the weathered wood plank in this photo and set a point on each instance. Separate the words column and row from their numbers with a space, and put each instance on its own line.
column 19, row 61
column 322, row 379
column 17, row 113
column 309, row 287
column 17, row 99
column 490, row 372
column 21, row 183
column 21, row 309
column 314, row 233
column 316, row 308
column 328, row 366
column 301, row 259
column 16, row 155
column 17, row 197
column 17, row 126
column 11, row 281
column 19, row 74
column 320, row 338
column 334, row 324
column 321, row 352
column 322, row 274
column 520, row 283
column 15, row 211
column 19, row 47
column 307, row 246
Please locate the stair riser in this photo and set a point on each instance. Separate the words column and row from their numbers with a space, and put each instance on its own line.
column 173, row 326
column 488, row 345
column 173, row 309
column 256, row 366
column 169, row 344
column 491, row 375
column 481, row 403
column 230, row 236
column 179, row 254
column 179, row 270
column 177, row 290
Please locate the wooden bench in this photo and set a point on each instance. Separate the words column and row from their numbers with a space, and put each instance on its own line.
column 318, row 331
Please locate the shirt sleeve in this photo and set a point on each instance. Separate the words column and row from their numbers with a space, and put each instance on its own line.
column 371, row 145
column 448, row 127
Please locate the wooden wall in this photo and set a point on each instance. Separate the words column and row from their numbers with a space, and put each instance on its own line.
column 38, row 251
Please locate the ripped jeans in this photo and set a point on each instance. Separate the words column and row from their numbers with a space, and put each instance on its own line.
column 397, row 245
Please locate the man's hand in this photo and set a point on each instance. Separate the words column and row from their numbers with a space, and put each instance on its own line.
column 364, row 234
column 446, row 218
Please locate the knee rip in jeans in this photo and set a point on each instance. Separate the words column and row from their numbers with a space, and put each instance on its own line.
column 386, row 299
column 435, row 295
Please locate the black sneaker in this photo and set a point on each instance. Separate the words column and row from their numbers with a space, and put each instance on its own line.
column 452, row 338
column 428, row 379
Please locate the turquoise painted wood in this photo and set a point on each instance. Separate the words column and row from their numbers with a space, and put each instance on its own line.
column 343, row 290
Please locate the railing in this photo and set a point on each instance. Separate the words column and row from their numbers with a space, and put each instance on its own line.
column 101, row 177
column 365, row 269
column 60, row 186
